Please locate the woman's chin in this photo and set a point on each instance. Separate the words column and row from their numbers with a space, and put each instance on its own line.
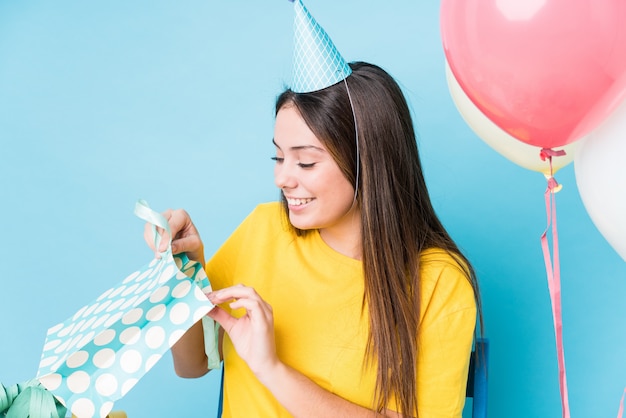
column 300, row 223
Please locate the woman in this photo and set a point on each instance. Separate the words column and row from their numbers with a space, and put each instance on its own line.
column 349, row 298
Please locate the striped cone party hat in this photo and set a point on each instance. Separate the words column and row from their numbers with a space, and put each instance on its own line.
column 316, row 62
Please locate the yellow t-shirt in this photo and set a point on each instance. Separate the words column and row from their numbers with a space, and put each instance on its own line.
column 320, row 326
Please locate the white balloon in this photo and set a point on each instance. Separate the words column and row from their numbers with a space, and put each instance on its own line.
column 521, row 153
column 601, row 178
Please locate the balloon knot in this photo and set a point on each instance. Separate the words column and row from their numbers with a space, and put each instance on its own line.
column 553, row 185
column 548, row 153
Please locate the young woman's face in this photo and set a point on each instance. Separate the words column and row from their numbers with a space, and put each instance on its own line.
column 318, row 194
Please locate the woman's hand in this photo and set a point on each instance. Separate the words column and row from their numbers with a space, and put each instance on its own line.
column 252, row 336
column 186, row 238
column 253, row 333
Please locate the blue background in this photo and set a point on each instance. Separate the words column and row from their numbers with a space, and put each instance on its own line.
column 102, row 103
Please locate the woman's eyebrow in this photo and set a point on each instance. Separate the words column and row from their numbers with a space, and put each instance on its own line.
column 301, row 147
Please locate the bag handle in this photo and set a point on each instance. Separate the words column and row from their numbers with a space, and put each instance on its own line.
column 209, row 326
column 143, row 211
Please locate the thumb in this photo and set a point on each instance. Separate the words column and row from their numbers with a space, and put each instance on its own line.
column 226, row 320
column 190, row 244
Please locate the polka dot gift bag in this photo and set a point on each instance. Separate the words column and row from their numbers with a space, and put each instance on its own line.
column 96, row 356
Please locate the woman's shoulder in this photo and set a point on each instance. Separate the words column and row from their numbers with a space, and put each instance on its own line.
column 445, row 276
column 438, row 258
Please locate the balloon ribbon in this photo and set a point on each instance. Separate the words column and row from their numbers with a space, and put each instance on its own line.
column 554, row 279
column 554, row 274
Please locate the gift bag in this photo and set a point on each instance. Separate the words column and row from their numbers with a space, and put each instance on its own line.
column 96, row 356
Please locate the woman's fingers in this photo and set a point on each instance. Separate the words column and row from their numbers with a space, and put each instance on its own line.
column 252, row 333
column 148, row 234
column 165, row 238
column 242, row 297
column 190, row 244
column 234, row 292
column 185, row 237
column 222, row 317
column 258, row 312
column 177, row 218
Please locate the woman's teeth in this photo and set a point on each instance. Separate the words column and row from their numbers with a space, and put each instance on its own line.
column 298, row 202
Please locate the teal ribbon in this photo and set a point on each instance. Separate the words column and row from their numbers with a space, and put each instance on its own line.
column 143, row 211
column 29, row 399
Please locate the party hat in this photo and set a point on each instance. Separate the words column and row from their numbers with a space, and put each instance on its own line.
column 316, row 62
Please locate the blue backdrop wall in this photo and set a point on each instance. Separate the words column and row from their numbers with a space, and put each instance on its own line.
column 102, row 103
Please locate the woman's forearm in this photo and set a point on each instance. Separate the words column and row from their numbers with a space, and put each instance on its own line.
column 190, row 359
column 304, row 398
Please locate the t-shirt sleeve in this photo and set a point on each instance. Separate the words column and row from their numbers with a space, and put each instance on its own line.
column 445, row 339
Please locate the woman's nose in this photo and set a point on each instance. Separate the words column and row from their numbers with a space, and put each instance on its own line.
column 284, row 177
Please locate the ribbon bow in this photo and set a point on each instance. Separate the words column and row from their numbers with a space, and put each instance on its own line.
column 29, row 399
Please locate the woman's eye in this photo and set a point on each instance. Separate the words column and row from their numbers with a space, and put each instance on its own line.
column 280, row 160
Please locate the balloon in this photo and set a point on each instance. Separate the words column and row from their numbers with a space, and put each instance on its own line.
column 601, row 178
column 547, row 72
column 522, row 154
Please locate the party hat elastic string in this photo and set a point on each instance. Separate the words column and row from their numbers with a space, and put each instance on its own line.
column 356, row 138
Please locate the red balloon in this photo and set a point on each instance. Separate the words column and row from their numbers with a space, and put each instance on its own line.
column 545, row 71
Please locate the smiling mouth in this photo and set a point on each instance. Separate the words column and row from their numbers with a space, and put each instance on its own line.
column 297, row 202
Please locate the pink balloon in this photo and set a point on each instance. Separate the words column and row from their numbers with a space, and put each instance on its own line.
column 545, row 71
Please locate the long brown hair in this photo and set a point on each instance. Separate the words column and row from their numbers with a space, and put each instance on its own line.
column 398, row 221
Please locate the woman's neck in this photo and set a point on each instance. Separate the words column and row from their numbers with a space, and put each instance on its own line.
column 345, row 237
